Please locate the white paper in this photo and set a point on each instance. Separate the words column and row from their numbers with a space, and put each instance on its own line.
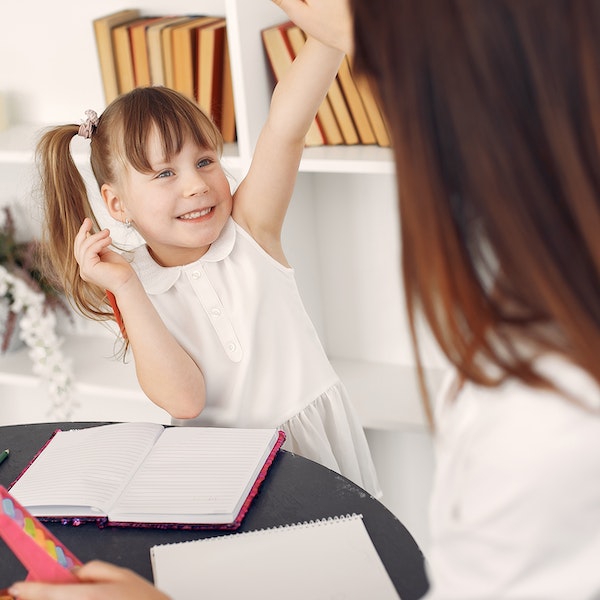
column 331, row 559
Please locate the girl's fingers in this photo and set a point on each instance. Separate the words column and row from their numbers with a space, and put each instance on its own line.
column 97, row 570
column 84, row 242
column 291, row 7
column 329, row 21
column 96, row 245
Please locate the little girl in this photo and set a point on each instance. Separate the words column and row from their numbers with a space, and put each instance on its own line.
column 209, row 303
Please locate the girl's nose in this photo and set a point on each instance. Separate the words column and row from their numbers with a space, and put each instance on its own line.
column 196, row 185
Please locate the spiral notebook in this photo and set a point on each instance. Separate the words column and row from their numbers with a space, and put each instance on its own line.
column 329, row 558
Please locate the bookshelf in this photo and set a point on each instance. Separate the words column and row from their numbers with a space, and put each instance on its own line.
column 341, row 232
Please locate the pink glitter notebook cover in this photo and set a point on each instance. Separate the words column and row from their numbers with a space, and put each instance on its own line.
column 231, row 526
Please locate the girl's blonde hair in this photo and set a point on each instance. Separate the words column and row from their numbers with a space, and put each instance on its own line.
column 120, row 138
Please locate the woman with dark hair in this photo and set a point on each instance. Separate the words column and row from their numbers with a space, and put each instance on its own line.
column 494, row 112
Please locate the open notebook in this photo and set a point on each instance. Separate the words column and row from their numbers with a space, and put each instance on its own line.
column 148, row 474
column 330, row 558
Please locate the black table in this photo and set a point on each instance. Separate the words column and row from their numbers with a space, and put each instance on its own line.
column 295, row 490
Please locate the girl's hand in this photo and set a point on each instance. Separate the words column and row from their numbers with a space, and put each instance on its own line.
column 98, row 581
column 98, row 264
column 329, row 21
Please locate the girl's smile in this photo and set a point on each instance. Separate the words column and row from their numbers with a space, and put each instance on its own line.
column 195, row 215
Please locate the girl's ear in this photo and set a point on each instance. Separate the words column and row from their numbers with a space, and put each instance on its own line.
column 112, row 202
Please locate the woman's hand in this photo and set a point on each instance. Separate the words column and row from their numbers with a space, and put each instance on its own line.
column 98, row 264
column 98, row 581
column 329, row 21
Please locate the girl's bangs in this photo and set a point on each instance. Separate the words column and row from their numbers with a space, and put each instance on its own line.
column 174, row 119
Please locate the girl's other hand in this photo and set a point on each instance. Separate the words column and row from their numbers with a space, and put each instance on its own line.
column 329, row 21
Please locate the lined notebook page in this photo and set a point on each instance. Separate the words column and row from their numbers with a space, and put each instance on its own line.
column 332, row 558
column 202, row 471
column 71, row 471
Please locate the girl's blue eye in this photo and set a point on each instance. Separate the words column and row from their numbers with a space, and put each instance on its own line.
column 204, row 162
column 166, row 173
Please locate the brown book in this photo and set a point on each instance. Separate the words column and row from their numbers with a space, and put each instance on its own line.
column 184, row 42
column 103, row 33
column 227, row 103
column 281, row 56
column 373, row 112
column 139, row 50
column 342, row 113
column 325, row 115
column 167, row 50
column 155, row 49
column 355, row 104
column 123, row 56
column 211, row 41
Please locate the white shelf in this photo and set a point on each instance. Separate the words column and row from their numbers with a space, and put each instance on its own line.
column 386, row 396
column 96, row 371
column 17, row 147
column 104, row 387
column 347, row 159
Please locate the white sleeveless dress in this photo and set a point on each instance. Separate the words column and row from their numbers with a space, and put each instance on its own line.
column 238, row 313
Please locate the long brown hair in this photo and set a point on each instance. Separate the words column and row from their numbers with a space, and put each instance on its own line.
column 494, row 113
column 119, row 138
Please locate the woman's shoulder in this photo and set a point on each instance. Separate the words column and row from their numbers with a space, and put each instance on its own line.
column 516, row 428
column 517, row 468
column 569, row 386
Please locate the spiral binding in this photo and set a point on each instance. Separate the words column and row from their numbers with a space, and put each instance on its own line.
column 267, row 530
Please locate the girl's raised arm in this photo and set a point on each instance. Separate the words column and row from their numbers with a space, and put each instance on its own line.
column 262, row 199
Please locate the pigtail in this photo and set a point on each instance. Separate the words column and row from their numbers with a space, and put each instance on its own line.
column 66, row 205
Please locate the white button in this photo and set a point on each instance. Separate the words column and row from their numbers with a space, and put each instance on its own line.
column 215, row 312
column 231, row 346
column 196, row 275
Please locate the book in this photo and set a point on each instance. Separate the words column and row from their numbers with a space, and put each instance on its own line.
column 149, row 475
column 184, row 41
column 325, row 115
column 155, row 49
column 280, row 56
column 328, row 558
column 167, row 50
column 342, row 113
column 355, row 104
column 374, row 113
column 227, row 101
column 102, row 30
column 139, row 50
column 210, row 57
column 123, row 56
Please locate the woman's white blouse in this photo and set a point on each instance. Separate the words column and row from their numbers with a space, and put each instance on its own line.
column 515, row 510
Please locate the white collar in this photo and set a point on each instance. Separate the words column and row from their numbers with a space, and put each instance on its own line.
column 157, row 279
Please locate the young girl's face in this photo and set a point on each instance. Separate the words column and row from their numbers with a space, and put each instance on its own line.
column 181, row 206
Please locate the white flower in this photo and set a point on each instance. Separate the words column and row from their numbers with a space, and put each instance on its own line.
column 38, row 331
